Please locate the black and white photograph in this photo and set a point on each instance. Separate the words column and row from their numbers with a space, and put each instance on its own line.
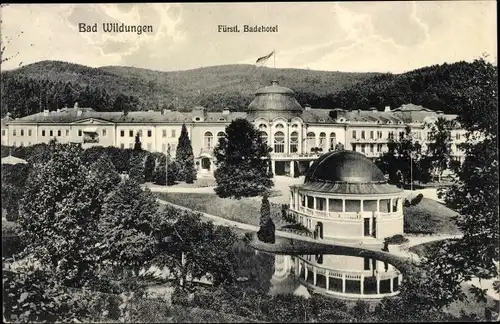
column 250, row 162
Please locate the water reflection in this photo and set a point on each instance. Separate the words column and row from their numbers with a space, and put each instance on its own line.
column 342, row 276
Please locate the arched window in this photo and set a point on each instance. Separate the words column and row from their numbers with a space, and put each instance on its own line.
column 262, row 126
column 279, row 142
column 279, row 126
column 322, row 141
column 310, row 141
column 219, row 136
column 263, row 136
column 208, row 140
column 333, row 141
column 294, row 142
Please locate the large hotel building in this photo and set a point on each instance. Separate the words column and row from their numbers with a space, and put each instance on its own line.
column 294, row 132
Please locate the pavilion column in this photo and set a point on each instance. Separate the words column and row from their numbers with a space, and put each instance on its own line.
column 378, row 284
column 362, row 284
column 392, row 285
column 314, row 276
column 370, row 230
column 297, row 200
column 327, row 278
column 305, row 272
column 292, row 196
column 273, row 166
column 327, row 205
column 343, row 283
column 314, row 202
column 391, row 208
column 378, row 205
column 292, row 168
column 343, row 205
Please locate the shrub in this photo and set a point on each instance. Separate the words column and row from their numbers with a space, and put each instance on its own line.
column 396, row 239
column 415, row 201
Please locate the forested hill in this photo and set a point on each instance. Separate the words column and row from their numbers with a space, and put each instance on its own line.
column 53, row 84
column 437, row 87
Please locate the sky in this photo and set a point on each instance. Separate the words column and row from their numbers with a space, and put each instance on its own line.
column 333, row 36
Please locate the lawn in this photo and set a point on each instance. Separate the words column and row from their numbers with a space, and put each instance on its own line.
column 429, row 217
column 244, row 210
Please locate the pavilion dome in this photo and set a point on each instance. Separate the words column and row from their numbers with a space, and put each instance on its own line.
column 345, row 167
column 274, row 101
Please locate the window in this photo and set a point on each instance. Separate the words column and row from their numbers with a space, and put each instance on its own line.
column 379, row 134
column 150, row 133
column 208, row 139
column 3, row 132
column 122, row 146
column 130, row 133
column 279, row 142
column 149, row 146
column 51, row 133
column 379, row 147
column 372, row 135
column 59, row 132
column 29, row 132
column 294, row 142
column 310, row 140
column 173, row 147
column 362, row 148
column 333, row 140
column 354, row 147
column 401, row 135
column 22, row 132
column 279, row 126
column 263, row 136
column 390, row 135
column 173, row 133
column 354, row 134
column 122, row 133
column 14, row 132
column 130, row 145
column 43, row 132
column 164, row 147
column 322, row 141
column 220, row 135
column 457, row 136
column 367, row 264
column 79, row 132
column 363, row 134
column 164, row 133
column 262, row 126
column 372, row 147
column 103, row 132
column 67, row 132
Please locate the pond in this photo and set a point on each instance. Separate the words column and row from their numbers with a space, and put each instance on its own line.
column 336, row 275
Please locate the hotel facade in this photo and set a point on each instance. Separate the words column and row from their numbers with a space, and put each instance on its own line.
column 297, row 134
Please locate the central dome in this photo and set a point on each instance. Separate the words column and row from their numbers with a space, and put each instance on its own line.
column 274, row 101
column 344, row 167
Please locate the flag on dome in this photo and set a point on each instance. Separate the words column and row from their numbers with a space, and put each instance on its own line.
column 263, row 59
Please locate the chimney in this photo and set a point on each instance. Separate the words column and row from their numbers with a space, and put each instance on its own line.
column 373, row 109
column 45, row 112
column 274, row 82
column 387, row 108
column 76, row 105
column 226, row 111
column 163, row 111
column 440, row 112
column 307, row 106
column 58, row 110
column 359, row 111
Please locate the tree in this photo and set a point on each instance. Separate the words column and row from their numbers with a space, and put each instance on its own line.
column 192, row 249
column 127, row 223
column 105, row 177
column 136, row 164
column 439, row 148
column 474, row 194
column 266, row 232
column 59, row 214
column 160, row 175
column 242, row 168
column 137, row 144
column 185, row 157
column 149, row 168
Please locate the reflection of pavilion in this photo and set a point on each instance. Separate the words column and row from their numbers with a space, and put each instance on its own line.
column 347, row 276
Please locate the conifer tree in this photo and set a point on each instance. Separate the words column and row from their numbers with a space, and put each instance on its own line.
column 266, row 232
column 136, row 172
column 185, row 157
column 149, row 168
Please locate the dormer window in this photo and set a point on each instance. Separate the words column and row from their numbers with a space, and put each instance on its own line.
column 400, row 122
column 389, row 122
column 341, row 120
column 222, row 119
column 321, row 120
column 197, row 119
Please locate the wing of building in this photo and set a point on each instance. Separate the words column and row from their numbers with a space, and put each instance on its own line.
column 297, row 133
